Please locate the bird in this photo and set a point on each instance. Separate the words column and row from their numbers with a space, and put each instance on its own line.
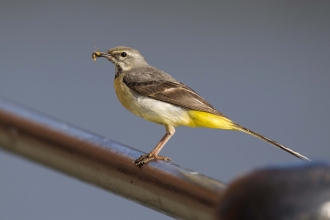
column 156, row 96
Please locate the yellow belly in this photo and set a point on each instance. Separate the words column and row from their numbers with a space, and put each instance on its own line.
column 165, row 113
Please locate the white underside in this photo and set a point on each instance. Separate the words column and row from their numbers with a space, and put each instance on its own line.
column 148, row 108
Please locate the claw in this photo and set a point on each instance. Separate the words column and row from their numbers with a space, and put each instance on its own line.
column 143, row 159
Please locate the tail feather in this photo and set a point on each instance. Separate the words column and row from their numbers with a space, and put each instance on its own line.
column 248, row 131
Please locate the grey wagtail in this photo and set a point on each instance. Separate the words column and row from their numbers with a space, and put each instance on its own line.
column 156, row 96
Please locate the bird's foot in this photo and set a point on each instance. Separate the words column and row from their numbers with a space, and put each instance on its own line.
column 149, row 157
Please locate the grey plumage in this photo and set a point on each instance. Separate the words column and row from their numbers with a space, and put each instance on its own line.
column 157, row 84
column 160, row 89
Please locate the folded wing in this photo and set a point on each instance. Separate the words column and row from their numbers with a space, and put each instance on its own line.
column 168, row 90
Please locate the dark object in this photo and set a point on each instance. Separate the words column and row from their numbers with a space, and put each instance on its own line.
column 300, row 192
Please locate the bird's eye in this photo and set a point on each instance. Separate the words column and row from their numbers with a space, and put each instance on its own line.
column 123, row 54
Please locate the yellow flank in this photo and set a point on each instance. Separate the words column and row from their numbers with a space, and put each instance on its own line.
column 208, row 120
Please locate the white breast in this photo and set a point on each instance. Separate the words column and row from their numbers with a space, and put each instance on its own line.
column 148, row 108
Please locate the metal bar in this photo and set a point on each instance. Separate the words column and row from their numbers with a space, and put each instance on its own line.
column 162, row 186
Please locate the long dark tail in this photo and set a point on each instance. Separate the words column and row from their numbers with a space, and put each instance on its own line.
column 248, row 131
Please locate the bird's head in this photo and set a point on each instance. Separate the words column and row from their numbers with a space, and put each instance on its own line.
column 124, row 58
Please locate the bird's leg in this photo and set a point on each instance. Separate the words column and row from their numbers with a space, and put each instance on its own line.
column 153, row 155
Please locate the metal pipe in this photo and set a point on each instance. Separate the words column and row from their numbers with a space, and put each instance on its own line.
column 164, row 187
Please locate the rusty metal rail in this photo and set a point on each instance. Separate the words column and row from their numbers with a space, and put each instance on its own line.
column 164, row 187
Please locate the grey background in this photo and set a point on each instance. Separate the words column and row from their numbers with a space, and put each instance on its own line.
column 265, row 64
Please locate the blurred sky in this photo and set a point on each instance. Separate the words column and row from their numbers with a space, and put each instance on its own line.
column 265, row 64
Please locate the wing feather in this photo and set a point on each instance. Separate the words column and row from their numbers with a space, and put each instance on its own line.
column 159, row 85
